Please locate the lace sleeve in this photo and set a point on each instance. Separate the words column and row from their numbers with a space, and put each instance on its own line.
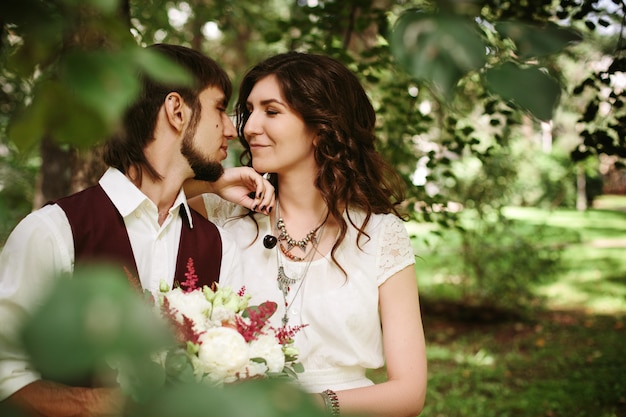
column 395, row 250
column 219, row 210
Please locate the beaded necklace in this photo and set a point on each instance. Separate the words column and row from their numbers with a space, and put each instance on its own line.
column 285, row 282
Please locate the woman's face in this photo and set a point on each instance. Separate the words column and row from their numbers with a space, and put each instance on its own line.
column 278, row 137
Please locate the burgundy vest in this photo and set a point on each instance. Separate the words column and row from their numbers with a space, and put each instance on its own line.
column 100, row 235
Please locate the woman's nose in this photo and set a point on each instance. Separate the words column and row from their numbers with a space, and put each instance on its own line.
column 252, row 125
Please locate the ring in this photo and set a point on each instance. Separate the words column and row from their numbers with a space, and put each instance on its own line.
column 266, row 176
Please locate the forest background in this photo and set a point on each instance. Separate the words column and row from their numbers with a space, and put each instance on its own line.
column 506, row 119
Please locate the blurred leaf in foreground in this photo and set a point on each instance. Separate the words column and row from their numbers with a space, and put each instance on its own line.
column 530, row 88
column 89, row 319
column 437, row 48
column 534, row 41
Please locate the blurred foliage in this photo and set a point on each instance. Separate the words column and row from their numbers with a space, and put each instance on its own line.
column 502, row 269
column 88, row 324
column 101, row 319
column 444, row 75
column 17, row 185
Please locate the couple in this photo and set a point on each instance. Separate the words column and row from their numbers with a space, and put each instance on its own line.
column 331, row 250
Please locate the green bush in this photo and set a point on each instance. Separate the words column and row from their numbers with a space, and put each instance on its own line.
column 501, row 268
column 544, row 180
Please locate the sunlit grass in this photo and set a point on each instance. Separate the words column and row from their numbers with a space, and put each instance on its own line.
column 566, row 360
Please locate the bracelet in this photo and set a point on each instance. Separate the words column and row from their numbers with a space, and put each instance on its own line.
column 331, row 401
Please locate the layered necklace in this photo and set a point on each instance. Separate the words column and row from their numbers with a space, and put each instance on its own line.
column 286, row 243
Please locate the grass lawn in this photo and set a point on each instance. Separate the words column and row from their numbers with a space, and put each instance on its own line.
column 567, row 358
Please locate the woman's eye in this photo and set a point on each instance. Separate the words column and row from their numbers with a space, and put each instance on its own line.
column 271, row 112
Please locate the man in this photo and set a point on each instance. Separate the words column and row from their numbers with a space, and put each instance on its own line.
column 137, row 216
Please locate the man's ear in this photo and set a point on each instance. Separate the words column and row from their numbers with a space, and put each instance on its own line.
column 176, row 111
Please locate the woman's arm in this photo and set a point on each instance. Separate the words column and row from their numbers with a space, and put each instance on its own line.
column 404, row 392
column 239, row 185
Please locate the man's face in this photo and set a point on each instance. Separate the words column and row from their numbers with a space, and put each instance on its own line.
column 205, row 142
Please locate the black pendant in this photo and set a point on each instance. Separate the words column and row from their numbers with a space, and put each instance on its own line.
column 269, row 241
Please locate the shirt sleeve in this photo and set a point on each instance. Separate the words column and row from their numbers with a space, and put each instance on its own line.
column 37, row 251
column 395, row 251
column 219, row 210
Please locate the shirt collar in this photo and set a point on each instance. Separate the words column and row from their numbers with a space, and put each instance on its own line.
column 127, row 198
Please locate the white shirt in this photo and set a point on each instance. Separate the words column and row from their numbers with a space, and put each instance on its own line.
column 343, row 336
column 41, row 246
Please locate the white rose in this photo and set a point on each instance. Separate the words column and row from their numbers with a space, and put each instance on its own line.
column 193, row 305
column 222, row 314
column 253, row 369
column 266, row 346
column 223, row 352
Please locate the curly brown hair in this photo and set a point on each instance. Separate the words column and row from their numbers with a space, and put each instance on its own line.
column 332, row 102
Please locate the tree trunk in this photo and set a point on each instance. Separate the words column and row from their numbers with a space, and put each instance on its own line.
column 55, row 173
column 65, row 170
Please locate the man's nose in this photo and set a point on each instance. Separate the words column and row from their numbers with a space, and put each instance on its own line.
column 229, row 128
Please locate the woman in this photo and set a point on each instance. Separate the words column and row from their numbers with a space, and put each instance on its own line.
column 333, row 253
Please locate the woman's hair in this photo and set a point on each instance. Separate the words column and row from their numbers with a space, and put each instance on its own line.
column 333, row 103
column 126, row 149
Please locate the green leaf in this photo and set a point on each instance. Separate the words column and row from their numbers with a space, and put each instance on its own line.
column 160, row 68
column 530, row 88
column 104, row 81
column 298, row 367
column 26, row 128
column 59, row 114
column 40, row 27
column 140, row 377
column 75, row 123
column 439, row 49
column 178, row 367
column 269, row 308
column 259, row 398
column 105, row 6
column 88, row 319
column 535, row 41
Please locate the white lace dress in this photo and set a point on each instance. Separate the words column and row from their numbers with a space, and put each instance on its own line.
column 343, row 335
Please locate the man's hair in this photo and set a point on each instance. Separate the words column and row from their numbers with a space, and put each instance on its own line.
column 126, row 149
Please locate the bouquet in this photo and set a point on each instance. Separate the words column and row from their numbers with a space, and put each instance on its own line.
column 220, row 339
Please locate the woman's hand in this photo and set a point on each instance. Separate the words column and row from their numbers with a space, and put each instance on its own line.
column 239, row 185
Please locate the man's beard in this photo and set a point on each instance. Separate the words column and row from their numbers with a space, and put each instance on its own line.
column 203, row 168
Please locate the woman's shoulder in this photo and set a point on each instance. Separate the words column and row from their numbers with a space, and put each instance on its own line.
column 376, row 220
column 219, row 211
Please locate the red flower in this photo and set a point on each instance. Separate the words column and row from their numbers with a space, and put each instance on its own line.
column 285, row 334
column 191, row 279
column 258, row 315
column 184, row 331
